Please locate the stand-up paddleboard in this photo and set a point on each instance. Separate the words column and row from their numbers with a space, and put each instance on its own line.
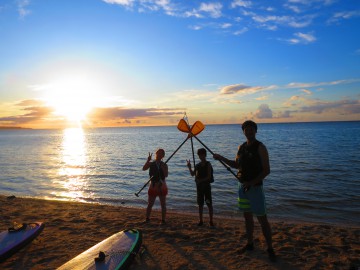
column 17, row 237
column 115, row 252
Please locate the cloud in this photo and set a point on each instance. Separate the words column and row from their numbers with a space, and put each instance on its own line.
column 243, row 89
column 341, row 107
column 344, row 15
column 35, row 110
column 306, row 91
column 118, row 113
column 213, row 9
column 240, row 3
column 22, row 8
column 120, row 2
column 264, row 112
column 317, row 84
column 248, row 15
column 302, row 38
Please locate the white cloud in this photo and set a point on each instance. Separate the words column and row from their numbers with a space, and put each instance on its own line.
column 344, row 15
column 243, row 89
column 302, row 38
column 240, row 3
column 214, row 9
column 120, row 2
column 22, row 8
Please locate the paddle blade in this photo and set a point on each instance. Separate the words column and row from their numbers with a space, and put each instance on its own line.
column 196, row 128
column 183, row 126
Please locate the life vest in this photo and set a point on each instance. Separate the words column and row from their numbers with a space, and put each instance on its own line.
column 156, row 172
column 250, row 161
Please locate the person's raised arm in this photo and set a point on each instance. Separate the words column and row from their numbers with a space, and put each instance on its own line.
column 189, row 166
column 147, row 163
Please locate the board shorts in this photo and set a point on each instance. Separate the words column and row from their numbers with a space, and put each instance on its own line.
column 253, row 200
column 203, row 192
column 158, row 190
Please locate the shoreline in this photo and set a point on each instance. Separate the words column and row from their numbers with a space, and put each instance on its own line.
column 73, row 227
column 234, row 215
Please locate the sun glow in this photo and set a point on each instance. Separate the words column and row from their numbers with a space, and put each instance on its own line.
column 73, row 96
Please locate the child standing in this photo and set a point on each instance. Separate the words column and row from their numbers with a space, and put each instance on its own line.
column 203, row 178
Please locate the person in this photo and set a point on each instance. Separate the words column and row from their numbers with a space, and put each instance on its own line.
column 158, row 171
column 252, row 162
column 203, row 177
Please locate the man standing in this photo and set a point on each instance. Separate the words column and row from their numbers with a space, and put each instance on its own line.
column 252, row 162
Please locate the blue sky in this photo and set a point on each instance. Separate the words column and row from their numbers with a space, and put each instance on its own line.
column 129, row 62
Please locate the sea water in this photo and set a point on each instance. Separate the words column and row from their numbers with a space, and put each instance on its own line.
column 315, row 167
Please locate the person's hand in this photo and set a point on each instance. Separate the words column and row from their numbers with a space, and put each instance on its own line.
column 149, row 157
column 217, row 157
column 188, row 163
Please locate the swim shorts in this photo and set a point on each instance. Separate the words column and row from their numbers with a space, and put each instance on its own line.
column 252, row 200
column 158, row 190
column 203, row 191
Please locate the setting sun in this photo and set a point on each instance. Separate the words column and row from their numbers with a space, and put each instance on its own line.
column 72, row 97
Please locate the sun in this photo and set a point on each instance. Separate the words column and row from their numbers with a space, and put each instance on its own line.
column 72, row 96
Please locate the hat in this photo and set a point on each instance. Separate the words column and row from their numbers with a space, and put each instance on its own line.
column 249, row 123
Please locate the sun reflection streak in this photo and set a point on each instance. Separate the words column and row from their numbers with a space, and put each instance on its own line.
column 73, row 170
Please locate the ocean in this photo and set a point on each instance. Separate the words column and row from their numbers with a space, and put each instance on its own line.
column 315, row 167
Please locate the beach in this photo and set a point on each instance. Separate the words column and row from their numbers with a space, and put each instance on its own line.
column 71, row 228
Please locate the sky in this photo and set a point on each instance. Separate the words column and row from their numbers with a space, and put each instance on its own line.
column 103, row 63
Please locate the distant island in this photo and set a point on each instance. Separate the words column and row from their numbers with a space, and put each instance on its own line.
column 4, row 127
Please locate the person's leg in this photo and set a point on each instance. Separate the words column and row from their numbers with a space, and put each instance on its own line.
column 200, row 202
column 151, row 201
column 266, row 230
column 201, row 210
column 249, row 226
column 208, row 200
column 163, row 207
column 211, row 214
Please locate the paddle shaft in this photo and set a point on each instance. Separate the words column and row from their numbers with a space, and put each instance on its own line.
column 137, row 194
column 226, row 166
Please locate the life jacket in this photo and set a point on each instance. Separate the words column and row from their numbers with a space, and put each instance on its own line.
column 156, row 172
column 202, row 171
column 250, row 162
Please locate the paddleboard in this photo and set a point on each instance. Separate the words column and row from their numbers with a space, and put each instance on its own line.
column 15, row 238
column 116, row 252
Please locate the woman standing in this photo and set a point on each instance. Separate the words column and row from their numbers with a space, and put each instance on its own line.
column 158, row 171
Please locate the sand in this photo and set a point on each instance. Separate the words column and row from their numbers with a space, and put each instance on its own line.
column 71, row 228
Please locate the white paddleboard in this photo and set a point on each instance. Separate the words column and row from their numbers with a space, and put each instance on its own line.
column 115, row 252
column 14, row 239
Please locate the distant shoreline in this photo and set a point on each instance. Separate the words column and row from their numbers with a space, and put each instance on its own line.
column 2, row 127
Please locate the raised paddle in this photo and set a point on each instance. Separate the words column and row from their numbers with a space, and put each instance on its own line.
column 194, row 131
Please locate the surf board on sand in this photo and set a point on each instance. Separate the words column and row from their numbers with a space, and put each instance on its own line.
column 17, row 237
column 115, row 252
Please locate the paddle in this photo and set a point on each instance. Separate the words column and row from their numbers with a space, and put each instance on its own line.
column 194, row 131
column 182, row 126
column 192, row 143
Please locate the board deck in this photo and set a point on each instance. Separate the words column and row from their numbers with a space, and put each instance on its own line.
column 119, row 250
column 12, row 241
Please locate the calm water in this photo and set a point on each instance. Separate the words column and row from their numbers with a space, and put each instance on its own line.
column 315, row 167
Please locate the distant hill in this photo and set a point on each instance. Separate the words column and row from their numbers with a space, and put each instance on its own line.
column 4, row 127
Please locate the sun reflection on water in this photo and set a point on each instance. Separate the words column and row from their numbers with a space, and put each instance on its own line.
column 73, row 169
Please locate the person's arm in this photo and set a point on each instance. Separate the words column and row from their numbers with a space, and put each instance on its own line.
column 189, row 166
column 264, row 157
column 230, row 163
column 147, row 163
